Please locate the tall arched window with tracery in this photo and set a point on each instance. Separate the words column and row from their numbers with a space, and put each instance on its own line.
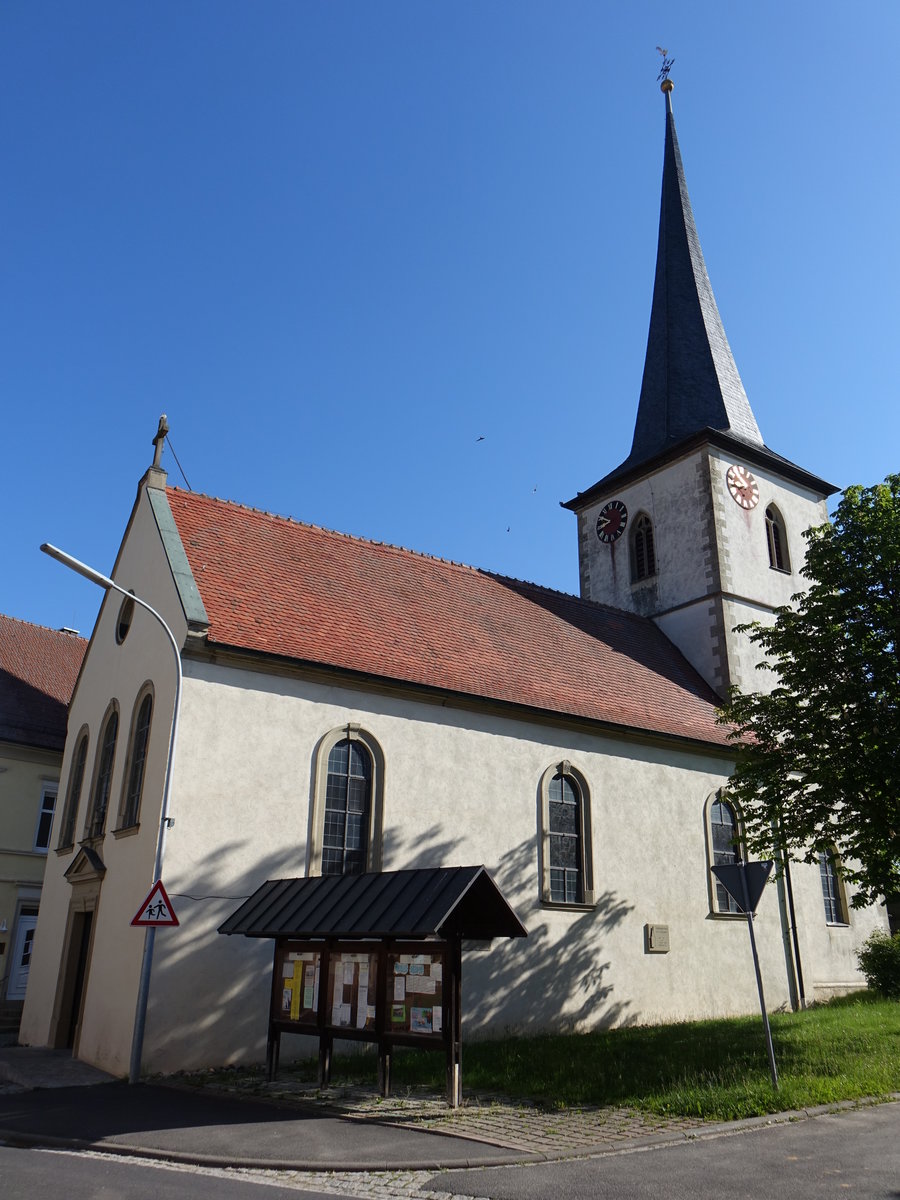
column 832, row 892
column 348, row 799
column 567, row 873
column 725, row 847
column 643, row 549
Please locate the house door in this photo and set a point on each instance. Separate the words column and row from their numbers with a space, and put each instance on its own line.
column 23, row 944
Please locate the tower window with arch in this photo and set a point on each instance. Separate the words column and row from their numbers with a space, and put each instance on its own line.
column 643, row 549
column 725, row 848
column 137, row 760
column 567, row 874
column 776, row 538
column 347, row 812
column 96, row 823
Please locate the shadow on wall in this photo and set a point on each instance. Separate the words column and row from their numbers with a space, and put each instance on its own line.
column 209, row 1003
column 210, row 1000
column 556, row 978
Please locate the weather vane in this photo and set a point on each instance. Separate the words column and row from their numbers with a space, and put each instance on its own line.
column 666, row 67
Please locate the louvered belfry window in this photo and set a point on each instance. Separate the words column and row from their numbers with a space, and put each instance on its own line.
column 348, row 807
column 777, row 540
column 643, row 551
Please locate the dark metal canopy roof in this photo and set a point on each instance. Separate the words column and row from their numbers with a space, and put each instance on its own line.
column 427, row 902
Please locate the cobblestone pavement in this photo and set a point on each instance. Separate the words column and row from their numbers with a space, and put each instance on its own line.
column 367, row 1185
column 525, row 1128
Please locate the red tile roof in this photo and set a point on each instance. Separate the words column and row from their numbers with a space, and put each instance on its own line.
column 38, row 670
column 279, row 587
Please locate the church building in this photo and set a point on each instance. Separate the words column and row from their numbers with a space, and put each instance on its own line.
column 349, row 707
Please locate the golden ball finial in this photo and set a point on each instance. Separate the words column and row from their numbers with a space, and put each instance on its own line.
column 667, row 86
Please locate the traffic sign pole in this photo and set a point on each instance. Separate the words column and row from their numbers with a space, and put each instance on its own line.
column 759, row 983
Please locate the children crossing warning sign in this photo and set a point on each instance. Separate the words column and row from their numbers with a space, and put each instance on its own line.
column 156, row 909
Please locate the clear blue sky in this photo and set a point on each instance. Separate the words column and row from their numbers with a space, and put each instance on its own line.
column 337, row 241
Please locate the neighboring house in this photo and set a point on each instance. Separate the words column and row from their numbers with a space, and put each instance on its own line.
column 351, row 706
column 38, row 669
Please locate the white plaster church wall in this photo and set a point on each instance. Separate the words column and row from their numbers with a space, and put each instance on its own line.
column 111, row 672
column 461, row 787
column 752, row 588
column 676, row 506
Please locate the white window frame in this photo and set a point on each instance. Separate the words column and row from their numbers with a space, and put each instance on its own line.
column 48, row 789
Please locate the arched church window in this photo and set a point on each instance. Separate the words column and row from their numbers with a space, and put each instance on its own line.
column 777, row 540
column 567, row 875
column 643, row 550
column 725, row 848
column 832, row 893
column 73, row 793
column 137, row 759
column 347, row 815
column 96, row 824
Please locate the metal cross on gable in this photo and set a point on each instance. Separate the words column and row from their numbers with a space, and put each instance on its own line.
column 667, row 64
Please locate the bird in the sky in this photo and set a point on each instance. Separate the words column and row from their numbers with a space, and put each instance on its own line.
column 480, row 439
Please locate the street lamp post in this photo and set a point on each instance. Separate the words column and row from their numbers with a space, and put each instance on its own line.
column 103, row 581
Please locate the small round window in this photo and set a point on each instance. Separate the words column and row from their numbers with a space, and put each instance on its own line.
column 126, row 615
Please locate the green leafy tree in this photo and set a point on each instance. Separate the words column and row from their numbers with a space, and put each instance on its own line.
column 817, row 763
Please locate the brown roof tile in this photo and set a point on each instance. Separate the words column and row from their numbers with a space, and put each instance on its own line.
column 279, row 587
column 38, row 670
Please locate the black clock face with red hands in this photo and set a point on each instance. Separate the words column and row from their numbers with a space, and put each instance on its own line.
column 612, row 521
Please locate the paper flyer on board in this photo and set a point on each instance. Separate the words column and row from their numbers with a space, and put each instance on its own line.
column 295, row 991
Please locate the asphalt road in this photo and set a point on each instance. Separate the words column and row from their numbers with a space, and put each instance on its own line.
column 26, row 1174
column 853, row 1154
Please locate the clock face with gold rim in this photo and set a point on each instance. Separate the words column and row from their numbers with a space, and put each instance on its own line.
column 743, row 487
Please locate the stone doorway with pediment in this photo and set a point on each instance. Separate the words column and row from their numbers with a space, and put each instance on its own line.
column 86, row 877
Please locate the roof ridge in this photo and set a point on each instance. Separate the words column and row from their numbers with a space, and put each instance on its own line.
column 67, row 633
column 585, row 600
column 437, row 558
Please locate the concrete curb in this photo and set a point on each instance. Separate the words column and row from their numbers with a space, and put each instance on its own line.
column 634, row 1145
column 28, row 1141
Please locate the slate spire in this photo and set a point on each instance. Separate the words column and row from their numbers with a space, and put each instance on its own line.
column 691, row 381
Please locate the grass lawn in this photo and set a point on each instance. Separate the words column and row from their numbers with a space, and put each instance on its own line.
column 843, row 1050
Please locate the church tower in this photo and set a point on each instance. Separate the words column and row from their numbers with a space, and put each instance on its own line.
column 701, row 526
